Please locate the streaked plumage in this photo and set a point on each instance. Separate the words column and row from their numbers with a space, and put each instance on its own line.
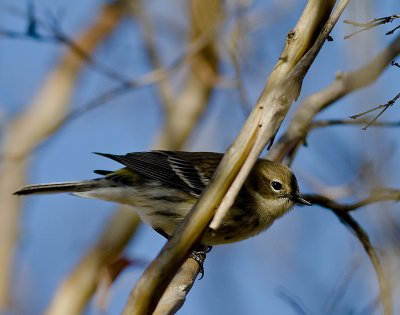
column 164, row 185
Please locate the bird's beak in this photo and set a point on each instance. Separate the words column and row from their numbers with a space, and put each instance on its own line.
column 300, row 200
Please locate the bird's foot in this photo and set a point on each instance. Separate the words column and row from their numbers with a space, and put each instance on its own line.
column 199, row 255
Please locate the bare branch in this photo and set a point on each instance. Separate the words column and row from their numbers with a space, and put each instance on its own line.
column 184, row 109
column 146, row 27
column 38, row 122
column 342, row 212
column 156, row 76
column 372, row 24
column 238, row 33
column 382, row 108
column 282, row 88
column 149, row 78
column 279, row 93
column 358, row 231
column 344, row 84
column 175, row 294
column 393, row 30
column 159, row 75
column 377, row 195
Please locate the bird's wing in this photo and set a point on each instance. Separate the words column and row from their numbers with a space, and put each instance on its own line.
column 189, row 171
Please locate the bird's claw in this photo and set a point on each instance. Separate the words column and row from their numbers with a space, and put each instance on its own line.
column 199, row 256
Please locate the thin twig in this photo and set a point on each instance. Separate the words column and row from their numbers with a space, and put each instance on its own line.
column 382, row 107
column 149, row 78
column 343, row 122
column 340, row 289
column 294, row 302
column 358, row 231
column 58, row 36
column 372, row 24
column 344, row 84
column 395, row 64
column 239, row 32
column 393, row 30
column 377, row 195
column 342, row 212
column 155, row 76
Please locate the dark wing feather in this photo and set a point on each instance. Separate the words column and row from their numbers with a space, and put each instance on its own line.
column 102, row 172
column 189, row 171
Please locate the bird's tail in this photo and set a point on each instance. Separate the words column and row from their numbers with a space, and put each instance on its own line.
column 55, row 188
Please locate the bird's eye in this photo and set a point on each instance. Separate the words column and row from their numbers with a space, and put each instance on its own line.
column 277, row 186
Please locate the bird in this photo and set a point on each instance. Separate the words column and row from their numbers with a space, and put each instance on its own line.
column 163, row 186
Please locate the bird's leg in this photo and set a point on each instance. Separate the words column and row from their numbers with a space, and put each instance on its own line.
column 199, row 253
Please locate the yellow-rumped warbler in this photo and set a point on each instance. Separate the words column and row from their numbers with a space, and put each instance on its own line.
column 164, row 185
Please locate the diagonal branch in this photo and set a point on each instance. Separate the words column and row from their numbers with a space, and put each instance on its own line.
column 344, row 84
column 342, row 212
column 282, row 88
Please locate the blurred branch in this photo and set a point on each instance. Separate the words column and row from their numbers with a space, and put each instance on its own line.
column 238, row 33
column 283, row 86
column 157, row 76
column 295, row 303
column 372, row 24
column 342, row 212
column 184, row 108
column 149, row 42
column 58, row 36
column 73, row 295
column 152, row 77
column 39, row 121
column 358, row 231
column 341, row 288
column 183, row 111
column 344, row 84
column 75, row 291
column 188, row 105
